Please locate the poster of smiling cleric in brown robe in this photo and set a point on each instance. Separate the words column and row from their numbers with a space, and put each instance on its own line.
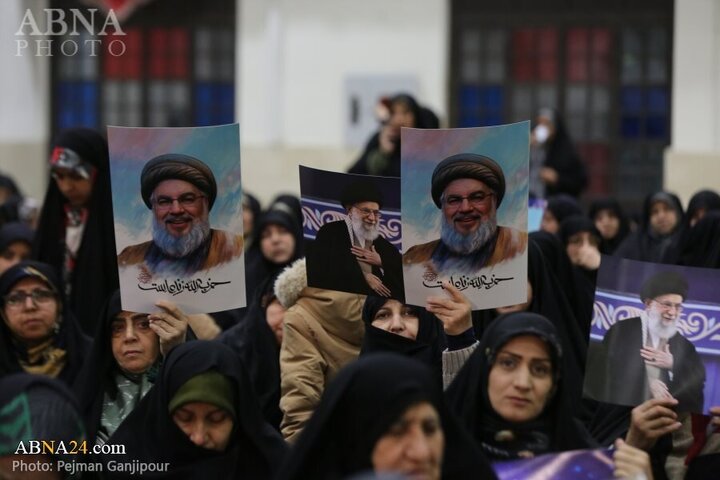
column 464, row 213
column 178, row 217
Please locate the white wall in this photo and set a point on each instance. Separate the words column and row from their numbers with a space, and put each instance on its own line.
column 24, row 102
column 294, row 56
column 692, row 161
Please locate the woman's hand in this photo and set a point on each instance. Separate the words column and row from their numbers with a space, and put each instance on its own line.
column 631, row 462
column 715, row 412
column 651, row 420
column 170, row 324
column 453, row 312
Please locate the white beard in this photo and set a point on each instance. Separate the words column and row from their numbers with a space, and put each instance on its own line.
column 657, row 328
column 362, row 231
column 465, row 244
column 179, row 247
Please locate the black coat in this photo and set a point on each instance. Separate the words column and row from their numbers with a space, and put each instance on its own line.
column 332, row 266
column 625, row 379
column 647, row 246
column 359, row 406
column 562, row 157
column 95, row 276
column 255, row 343
column 554, row 430
column 150, row 434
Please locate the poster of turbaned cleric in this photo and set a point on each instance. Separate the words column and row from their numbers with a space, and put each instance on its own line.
column 178, row 217
column 352, row 230
column 465, row 213
column 655, row 334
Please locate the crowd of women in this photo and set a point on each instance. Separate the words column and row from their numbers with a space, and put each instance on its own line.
column 310, row 383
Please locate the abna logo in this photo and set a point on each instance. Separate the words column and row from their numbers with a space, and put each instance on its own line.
column 59, row 23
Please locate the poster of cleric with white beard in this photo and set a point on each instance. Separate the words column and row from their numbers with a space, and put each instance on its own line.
column 465, row 213
column 655, row 335
column 178, row 217
column 351, row 225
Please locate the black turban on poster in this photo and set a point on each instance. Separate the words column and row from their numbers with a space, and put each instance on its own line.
column 468, row 165
column 663, row 283
column 176, row 166
column 361, row 191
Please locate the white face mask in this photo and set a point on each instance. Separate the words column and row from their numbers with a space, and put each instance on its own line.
column 541, row 133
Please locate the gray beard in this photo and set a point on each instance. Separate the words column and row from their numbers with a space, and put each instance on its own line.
column 468, row 243
column 658, row 329
column 363, row 233
column 179, row 247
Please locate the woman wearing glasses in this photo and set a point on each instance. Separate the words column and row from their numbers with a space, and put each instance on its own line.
column 38, row 335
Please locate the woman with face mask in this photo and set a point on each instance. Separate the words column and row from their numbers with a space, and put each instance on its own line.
column 555, row 166
column 384, row 414
column 202, row 418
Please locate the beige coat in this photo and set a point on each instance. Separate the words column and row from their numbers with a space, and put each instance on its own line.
column 323, row 332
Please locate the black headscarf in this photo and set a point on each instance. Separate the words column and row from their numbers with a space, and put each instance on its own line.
column 553, row 431
column 424, row 118
column 549, row 301
column 686, row 241
column 562, row 157
column 150, row 434
column 95, row 275
column 562, row 206
column 702, row 245
column 707, row 200
column 68, row 336
column 9, row 184
column 576, row 224
column 647, row 246
column 427, row 346
column 34, row 407
column 256, row 345
column 609, row 245
column 259, row 269
column 359, row 406
column 10, row 208
column 15, row 232
column 576, row 287
column 288, row 203
column 251, row 202
column 98, row 374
